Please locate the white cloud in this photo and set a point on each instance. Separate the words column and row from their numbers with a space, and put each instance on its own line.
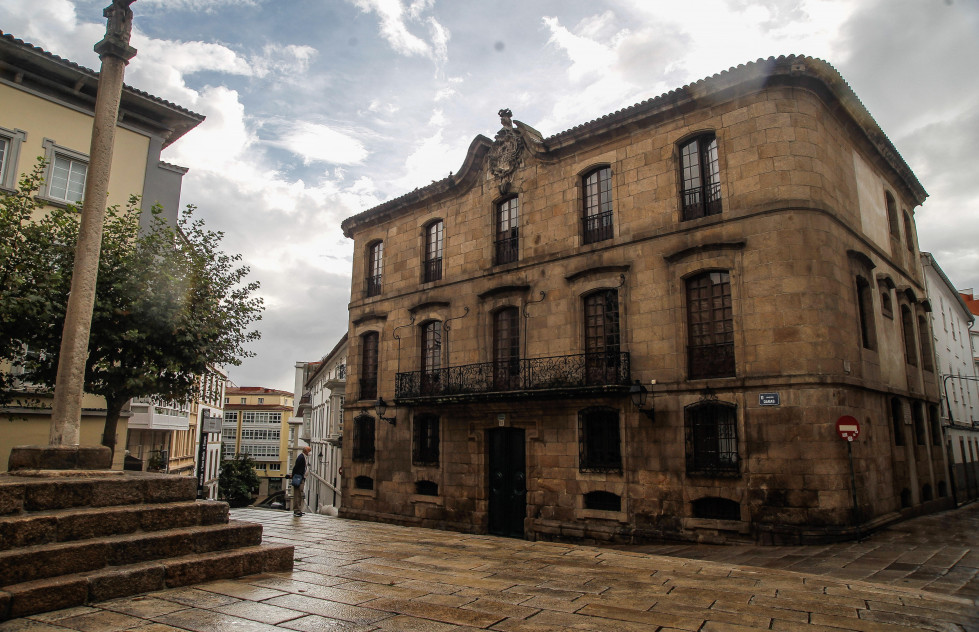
column 320, row 143
column 205, row 6
column 394, row 23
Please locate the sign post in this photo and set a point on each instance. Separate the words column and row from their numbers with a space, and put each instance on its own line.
column 849, row 429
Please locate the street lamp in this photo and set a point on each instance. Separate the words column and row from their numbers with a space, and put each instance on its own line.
column 381, row 407
column 638, row 394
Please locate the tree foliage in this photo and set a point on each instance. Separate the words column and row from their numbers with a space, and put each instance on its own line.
column 238, row 483
column 169, row 302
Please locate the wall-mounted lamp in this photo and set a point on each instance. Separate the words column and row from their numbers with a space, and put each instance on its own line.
column 381, row 407
column 638, row 394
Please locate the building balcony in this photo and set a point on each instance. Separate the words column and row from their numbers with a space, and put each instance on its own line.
column 148, row 414
column 579, row 375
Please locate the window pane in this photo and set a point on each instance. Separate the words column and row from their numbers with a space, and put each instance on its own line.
column 3, row 154
column 506, row 231
column 368, row 373
column 433, row 252
column 597, row 205
column 710, row 325
column 375, row 262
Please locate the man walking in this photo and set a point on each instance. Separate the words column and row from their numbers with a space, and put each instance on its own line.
column 299, row 482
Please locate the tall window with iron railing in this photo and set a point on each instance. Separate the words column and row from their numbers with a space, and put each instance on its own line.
column 506, row 348
column 700, row 176
column 710, row 324
column 431, row 360
column 375, row 266
column 507, row 231
column 433, row 251
column 602, row 339
column 597, row 197
column 368, row 366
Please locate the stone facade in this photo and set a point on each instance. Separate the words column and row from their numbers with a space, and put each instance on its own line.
column 808, row 259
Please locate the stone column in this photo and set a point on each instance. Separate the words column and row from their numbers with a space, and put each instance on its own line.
column 115, row 52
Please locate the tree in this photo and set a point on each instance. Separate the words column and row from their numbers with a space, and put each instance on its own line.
column 169, row 302
column 238, row 482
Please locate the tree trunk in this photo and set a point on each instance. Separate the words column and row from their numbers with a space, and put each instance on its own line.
column 113, row 409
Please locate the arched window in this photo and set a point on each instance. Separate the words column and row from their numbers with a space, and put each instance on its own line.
column 710, row 323
column 602, row 358
column 927, row 357
column 603, row 501
column 700, row 176
column 918, row 420
column 907, row 328
column 711, row 438
column 507, row 231
column 716, row 508
column 506, row 349
column 599, row 444
column 431, row 360
column 885, row 303
column 368, row 365
column 908, row 233
column 433, row 251
column 897, row 421
column 892, row 215
column 375, row 265
column 865, row 310
column 597, row 195
column 425, row 448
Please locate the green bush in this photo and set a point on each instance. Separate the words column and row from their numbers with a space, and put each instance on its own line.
column 238, row 483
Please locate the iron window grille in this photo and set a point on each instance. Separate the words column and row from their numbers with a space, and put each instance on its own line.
column 426, row 440
column 701, row 177
column 599, row 446
column 710, row 326
column 363, row 448
column 712, row 439
column 507, row 231
column 368, row 368
column 375, row 266
column 433, row 251
column 597, row 212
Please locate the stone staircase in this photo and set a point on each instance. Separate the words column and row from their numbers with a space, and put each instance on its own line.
column 67, row 539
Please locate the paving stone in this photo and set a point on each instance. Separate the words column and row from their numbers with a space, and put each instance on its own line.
column 262, row 612
column 316, row 623
column 142, row 606
column 436, row 612
column 208, row 621
column 101, row 621
column 329, row 609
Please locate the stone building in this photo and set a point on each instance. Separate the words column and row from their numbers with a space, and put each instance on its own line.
column 649, row 325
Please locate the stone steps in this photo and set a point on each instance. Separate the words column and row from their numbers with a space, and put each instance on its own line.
column 76, row 589
column 71, row 539
column 64, row 525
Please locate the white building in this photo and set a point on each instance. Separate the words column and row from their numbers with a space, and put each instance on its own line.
column 955, row 358
column 208, row 410
column 321, row 408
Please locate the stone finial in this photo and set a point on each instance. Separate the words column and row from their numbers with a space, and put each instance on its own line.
column 506, row 117
column 118, row 31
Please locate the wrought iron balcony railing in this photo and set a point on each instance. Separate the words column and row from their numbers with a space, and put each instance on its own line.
column 579, row 374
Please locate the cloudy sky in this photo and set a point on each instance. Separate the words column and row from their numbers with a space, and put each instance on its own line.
column 319, row 109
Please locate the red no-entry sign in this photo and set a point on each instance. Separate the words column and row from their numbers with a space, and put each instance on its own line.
column 848, row 427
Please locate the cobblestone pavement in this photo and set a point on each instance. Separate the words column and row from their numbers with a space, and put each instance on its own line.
column 937, row 553
column 358, row 577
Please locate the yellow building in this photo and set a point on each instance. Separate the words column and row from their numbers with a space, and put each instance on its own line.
column 256, row 424
column 46, row 109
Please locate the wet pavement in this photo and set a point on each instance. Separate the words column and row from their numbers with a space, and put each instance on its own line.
column 358, row 577
column 937, row 553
